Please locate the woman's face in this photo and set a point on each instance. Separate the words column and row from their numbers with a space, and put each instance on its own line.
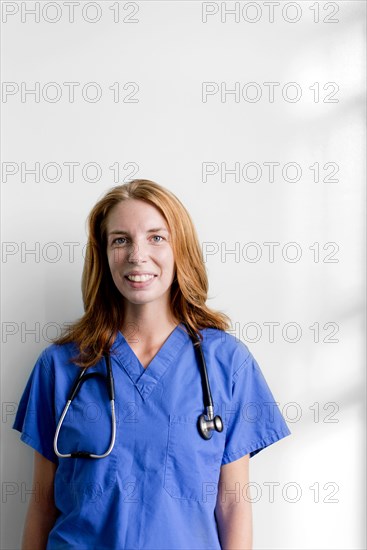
column 138, row 241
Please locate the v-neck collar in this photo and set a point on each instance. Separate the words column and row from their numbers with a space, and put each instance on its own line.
column 145, row 379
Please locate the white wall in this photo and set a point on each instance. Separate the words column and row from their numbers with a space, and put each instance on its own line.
column 168, row 134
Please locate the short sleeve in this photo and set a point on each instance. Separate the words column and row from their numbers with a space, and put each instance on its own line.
column 35, row 417
column 253, row 418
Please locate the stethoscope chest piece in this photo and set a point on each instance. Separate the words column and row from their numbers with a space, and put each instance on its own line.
column 207, row 426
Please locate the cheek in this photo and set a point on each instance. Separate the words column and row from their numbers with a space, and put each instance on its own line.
column 167, row 260
column 115, row 258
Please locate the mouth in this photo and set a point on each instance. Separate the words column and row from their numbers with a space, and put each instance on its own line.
column 140, row 277
column 140, row 281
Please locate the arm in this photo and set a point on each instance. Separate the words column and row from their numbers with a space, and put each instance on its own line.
column 42, row 512
column 233, row 509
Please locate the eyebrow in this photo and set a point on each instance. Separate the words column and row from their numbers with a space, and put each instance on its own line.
column 122, row 232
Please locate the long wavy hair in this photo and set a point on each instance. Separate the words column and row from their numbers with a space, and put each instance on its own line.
column 96, row 330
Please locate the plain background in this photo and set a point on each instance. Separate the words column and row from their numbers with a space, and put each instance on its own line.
column 315, row 363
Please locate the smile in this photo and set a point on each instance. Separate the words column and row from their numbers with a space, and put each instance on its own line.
column 140, row 278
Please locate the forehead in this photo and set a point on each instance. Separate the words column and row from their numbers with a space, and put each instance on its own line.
column 134, row 214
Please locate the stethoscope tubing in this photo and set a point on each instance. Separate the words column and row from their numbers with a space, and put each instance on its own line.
column 206, row 423
column 81, row 377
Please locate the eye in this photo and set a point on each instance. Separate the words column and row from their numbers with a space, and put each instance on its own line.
column 118, row 239
column 159, row 237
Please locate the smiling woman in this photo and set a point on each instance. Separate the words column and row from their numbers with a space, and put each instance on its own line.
column 166, row 480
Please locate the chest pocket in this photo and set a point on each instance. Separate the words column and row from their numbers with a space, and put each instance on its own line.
column 192, row 466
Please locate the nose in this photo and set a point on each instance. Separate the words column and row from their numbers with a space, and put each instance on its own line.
column 135, row 255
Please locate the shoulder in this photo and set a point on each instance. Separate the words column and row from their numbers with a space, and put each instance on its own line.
column 55, row 355
column 226, row 348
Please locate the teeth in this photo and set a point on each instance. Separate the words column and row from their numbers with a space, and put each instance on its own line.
column 140, row 278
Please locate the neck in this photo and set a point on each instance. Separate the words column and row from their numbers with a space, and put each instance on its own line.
column 147, row 328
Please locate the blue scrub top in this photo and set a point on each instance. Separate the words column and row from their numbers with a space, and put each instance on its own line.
column 157, row 489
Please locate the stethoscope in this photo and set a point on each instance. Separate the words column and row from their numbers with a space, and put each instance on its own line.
column 206, row 423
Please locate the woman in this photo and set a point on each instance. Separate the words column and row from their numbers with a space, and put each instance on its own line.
column 164, row 485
